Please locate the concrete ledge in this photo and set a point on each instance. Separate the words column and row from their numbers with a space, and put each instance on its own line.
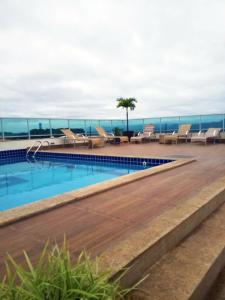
column 144, row 248
column 44, row 205
column 189, row 270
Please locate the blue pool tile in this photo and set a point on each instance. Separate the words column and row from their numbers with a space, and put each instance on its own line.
column 9, row 154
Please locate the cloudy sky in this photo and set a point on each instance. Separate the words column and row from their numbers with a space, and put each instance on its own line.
column 73, row 58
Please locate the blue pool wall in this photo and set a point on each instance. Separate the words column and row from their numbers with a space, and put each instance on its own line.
column 21, row 154
column 10, row 154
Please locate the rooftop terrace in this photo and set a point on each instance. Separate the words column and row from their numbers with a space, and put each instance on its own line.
column 100, row 221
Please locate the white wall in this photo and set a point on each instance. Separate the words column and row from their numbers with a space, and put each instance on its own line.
column 21, row 144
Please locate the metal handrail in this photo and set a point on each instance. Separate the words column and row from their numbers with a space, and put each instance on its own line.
column 37, row 149
column 41, row 143
column 33, row 146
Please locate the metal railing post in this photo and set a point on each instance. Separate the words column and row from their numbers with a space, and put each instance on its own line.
column 50, row 127
column 223, row 122
column 85, row 126
column 28, row 129
column 3, row 133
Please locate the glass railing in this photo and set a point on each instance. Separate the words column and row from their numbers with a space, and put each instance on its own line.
column 33, row 128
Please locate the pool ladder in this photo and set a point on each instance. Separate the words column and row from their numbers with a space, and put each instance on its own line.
column 37, row 144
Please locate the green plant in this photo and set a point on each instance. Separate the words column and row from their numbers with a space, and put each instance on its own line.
column 127, row 103
column 117, row 131
column 55, row 277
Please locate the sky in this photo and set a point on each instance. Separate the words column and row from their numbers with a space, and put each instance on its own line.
column 74, row 58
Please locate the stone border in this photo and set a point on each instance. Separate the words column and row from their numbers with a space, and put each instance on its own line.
column 138, row 252
column 43, row 205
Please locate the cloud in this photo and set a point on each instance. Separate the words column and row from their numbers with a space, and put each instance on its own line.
column 74, row 58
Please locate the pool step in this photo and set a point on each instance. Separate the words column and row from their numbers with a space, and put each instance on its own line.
column 190, row 269
column 152, row 241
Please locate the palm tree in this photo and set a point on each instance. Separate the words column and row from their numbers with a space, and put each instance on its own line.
column 127, row 103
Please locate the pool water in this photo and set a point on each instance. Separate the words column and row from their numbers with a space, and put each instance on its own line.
column 26, row 181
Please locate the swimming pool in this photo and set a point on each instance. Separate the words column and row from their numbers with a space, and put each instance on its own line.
column 25, row 179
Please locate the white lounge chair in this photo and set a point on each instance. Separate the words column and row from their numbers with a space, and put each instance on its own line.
column 146, row 135
column 182, row 134
column 211, row 134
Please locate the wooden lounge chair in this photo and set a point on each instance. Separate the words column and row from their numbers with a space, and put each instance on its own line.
column 75, row 138
column 82, row 139
column 146, row 135
column 211, row 134
column 110, row 137
column 182, row 134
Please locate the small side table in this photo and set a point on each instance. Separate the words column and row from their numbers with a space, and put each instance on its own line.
column 115, row 141
column 96, row 142
column 162, row 138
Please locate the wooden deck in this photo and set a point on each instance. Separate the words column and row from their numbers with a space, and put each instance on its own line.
column 100, row 221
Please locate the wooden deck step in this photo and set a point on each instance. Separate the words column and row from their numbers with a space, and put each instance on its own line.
column 190, row 269
column 141, row 250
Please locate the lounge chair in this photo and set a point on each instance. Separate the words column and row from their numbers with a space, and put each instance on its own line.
column 82, row 139
column 182, row 134
column 211, row 134
column 110, row 137
column 146, row 135
column 75, row 138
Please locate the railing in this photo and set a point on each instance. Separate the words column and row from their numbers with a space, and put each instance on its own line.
column 37, row 145
column 34, row 128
